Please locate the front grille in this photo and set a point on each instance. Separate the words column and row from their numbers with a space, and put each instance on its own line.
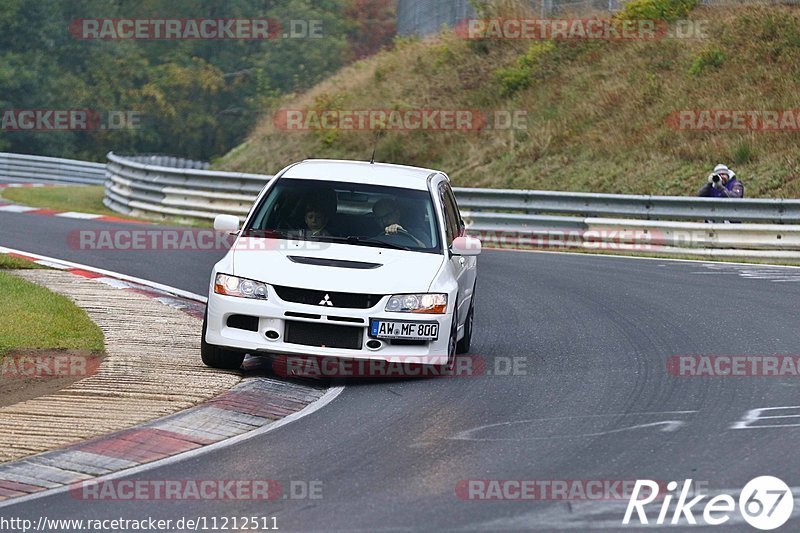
column 406, row 342
column 346, row 319
column 348, row 300
column 302, row 315
column 323, row 335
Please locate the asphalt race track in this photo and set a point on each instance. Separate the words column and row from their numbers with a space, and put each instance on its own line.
column 591, row 399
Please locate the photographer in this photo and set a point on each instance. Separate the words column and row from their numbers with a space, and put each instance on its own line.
column 722, row 183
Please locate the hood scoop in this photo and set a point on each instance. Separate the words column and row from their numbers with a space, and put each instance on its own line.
column 339, row 263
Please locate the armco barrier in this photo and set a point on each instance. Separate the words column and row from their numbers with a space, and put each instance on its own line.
column 702, row 236
column 648, row 207
column 169, row 161
column 20, row 168
column 137, row 187
column 514, row 218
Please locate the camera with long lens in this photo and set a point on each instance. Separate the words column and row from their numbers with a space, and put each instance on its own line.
column 716, row 178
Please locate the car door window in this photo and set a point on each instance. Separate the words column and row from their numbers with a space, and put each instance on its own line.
column 453, row 207
column 450, row 217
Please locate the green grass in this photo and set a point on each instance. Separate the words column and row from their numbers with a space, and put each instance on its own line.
column 598, row 112
column 68, row 198
column 36, row 318
column 7, row 262
column 80, row 199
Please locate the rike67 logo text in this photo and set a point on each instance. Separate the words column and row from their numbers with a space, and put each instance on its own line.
column 765, row 503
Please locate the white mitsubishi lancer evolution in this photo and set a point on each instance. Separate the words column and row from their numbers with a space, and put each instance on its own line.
column 345, row 259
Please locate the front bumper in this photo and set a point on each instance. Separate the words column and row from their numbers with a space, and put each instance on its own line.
column 271, row 316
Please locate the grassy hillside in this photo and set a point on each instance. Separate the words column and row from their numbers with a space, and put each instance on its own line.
column 597, row 111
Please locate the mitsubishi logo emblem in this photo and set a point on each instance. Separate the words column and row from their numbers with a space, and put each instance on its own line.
column 327, row 301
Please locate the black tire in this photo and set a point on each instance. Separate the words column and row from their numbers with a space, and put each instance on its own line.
column 466, row 340
column 447, row 368
column 216, row 357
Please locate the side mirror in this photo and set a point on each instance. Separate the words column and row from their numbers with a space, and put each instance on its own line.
column 227, row 223
column 466, row 246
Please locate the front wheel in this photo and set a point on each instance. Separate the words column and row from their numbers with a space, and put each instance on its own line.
column 217, row 357
column 466, row 340
column 447, row 368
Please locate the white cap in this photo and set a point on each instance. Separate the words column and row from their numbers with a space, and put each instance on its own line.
column 722, row 168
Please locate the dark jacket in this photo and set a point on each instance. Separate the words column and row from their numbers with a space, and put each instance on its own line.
column 733, row 189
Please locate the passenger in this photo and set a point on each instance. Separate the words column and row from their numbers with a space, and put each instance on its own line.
column 320, row 209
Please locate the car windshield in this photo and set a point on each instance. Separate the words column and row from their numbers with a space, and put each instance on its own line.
column 352, row 213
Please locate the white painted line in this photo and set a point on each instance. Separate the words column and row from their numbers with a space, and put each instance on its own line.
column 325, row 399
column 171, row 302
column 14, row 208
column 50, row 264
column 71, row 214
column 311, row 408
column 139, row 281
column 668, row 425
column 112, row 282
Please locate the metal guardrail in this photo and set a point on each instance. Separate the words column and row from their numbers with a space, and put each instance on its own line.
column 20, row 168
column 161, row 160
column 776, row 211
column 766, row 241
column 664, row 224
column 137, row 187
column 513, row 218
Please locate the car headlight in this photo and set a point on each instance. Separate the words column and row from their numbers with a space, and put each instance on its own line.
column 240, row 287
column 417, row 303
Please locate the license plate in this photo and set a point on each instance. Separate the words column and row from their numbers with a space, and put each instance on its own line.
column 399, row 329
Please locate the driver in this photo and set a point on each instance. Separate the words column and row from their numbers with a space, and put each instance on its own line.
column 389, row 214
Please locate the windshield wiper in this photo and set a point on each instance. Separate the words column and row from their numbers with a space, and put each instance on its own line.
column 265, row 233
column 375, row 242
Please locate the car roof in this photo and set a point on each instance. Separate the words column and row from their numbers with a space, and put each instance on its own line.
column 362, row 172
